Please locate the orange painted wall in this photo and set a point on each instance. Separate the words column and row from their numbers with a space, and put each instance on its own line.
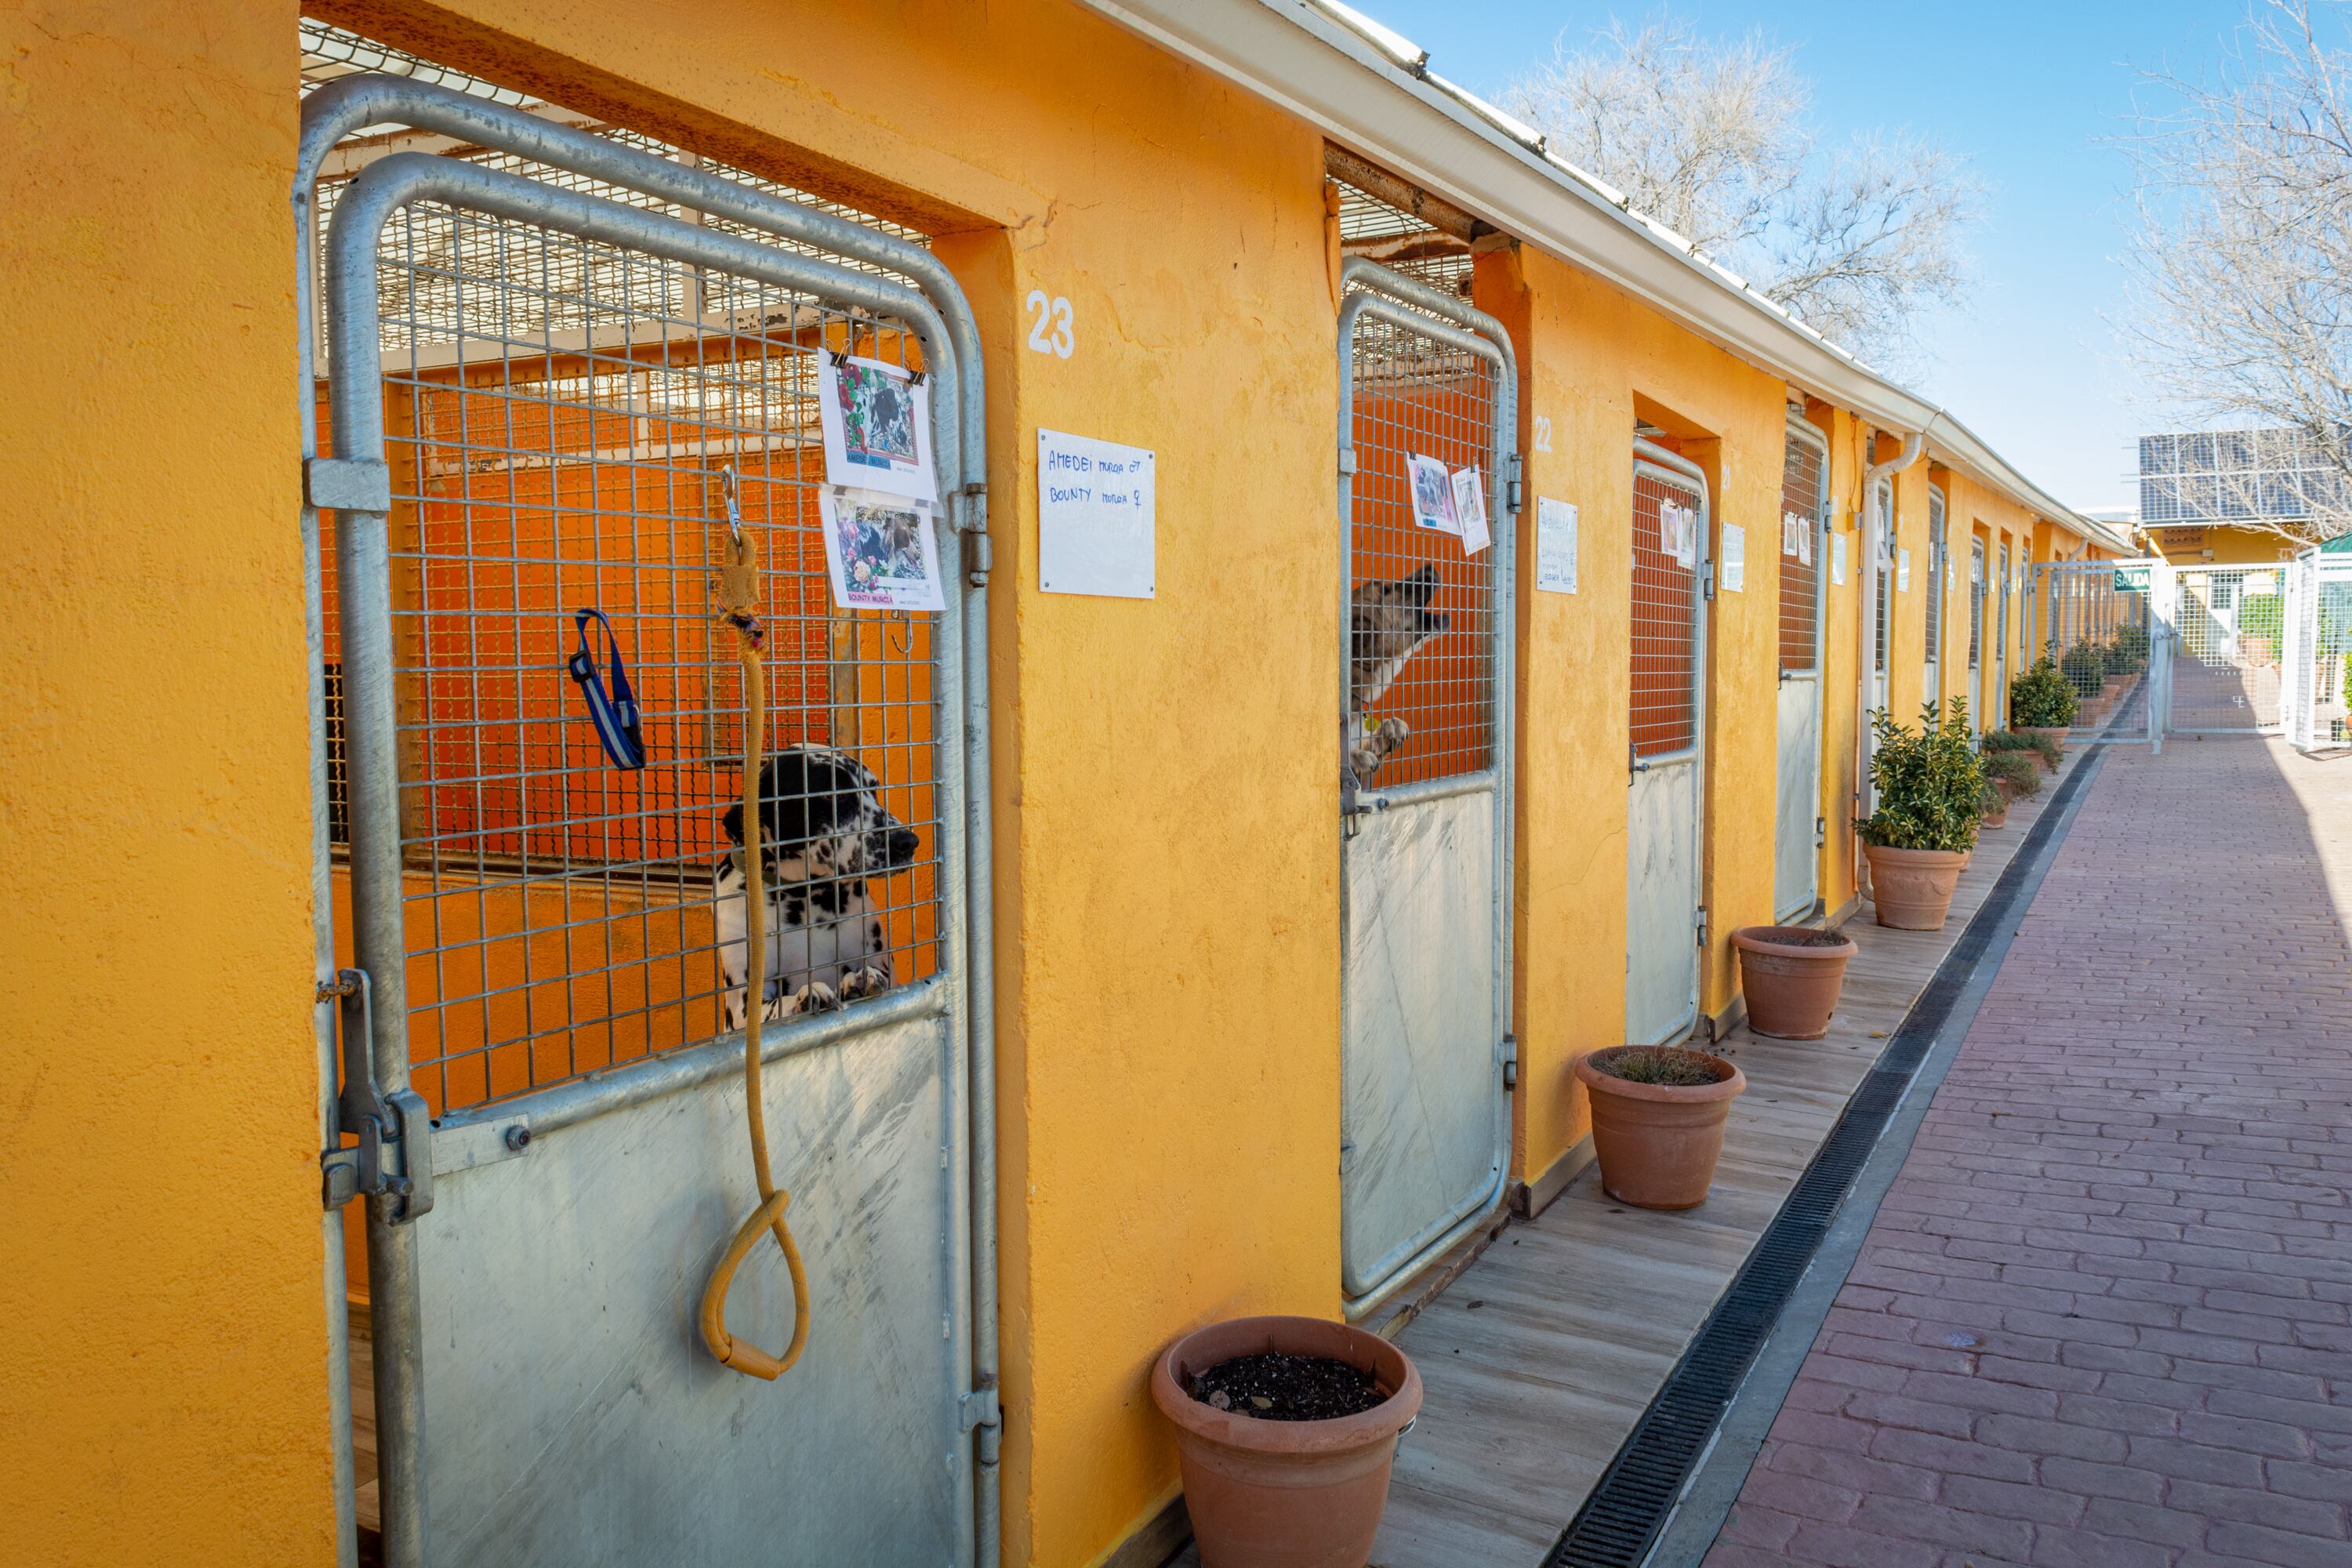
column 163, row 1390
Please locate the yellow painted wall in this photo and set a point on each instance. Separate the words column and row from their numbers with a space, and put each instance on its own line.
column 162, row 1331
column 2228, row 547
column 1589, row 356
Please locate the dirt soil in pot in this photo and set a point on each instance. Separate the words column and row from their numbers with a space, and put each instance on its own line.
column 1276, row 1387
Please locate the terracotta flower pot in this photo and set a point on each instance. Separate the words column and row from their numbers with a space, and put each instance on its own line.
column 1657, row 1143
column 1792, row 989
column 1285, row 1494
column 1998, row 816
column 1912, row 889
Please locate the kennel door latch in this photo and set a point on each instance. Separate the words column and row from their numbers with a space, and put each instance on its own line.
column 394, row 1157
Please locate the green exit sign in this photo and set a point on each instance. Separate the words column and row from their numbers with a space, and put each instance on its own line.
column 2132, row 579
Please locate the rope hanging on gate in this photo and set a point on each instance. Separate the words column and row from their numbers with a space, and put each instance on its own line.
column 738, row 600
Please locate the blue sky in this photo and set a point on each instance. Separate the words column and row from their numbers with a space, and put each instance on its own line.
column 2026, row 92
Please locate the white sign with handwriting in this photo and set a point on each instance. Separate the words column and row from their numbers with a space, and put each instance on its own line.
column 1096, row 508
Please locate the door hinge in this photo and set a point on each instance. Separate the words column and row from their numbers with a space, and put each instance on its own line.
column 393, row 1160
column 979, row 1408
column 1706, row 581
column 1700, row 924
column 1347, row 461
column 1821, row 831
column 1514, row 490
column 1510, row 1061
column 979, row 558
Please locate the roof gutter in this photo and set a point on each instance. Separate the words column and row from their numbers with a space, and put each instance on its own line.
column 1371, row 92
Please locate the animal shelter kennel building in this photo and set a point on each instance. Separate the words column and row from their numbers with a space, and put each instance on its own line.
column 1164, row 919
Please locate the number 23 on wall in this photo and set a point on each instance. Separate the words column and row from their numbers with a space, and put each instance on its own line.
column 1050, row 333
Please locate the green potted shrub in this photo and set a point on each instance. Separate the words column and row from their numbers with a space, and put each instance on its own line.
column 1929, row 787
column 2041, row 703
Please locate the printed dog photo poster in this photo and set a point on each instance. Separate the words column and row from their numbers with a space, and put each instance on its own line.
column 877, row 428
column 880, row 552
column 1679, row 534
column 1805, row 542
column 1470, row 511
column 1433, row 494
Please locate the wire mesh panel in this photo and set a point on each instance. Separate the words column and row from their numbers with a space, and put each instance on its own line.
column 565, row 420
column 1998, row 705
column 2093, row 620
column 1975, row 605
column 2229, row 621
column 1805, row 491
column 2330, row 664
column 1668, row 520
column 1939, row 582
column 1422, row 626
column 1882, row 597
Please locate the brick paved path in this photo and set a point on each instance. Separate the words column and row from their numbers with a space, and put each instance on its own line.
column 2102, row 1317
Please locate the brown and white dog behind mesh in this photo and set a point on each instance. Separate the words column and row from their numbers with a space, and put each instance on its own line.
column 1389, row 621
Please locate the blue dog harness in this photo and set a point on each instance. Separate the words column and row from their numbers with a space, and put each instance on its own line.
column 614, row 716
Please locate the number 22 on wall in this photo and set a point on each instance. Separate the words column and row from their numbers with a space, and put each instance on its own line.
column 1050, row 333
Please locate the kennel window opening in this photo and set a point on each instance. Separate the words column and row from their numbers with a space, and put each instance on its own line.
column 559, row 413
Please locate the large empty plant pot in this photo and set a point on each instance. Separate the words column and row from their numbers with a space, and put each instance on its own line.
column 1657, row 1143
column 1285, row 1494
column 1791, row 977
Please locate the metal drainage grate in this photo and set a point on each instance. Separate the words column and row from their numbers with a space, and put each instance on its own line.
column 1623, row 1516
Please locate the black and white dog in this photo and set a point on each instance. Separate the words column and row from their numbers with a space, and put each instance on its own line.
column 822, row 834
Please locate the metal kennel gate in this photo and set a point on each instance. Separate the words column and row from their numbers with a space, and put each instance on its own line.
column 1798, row 826
column 540, row 401
column 1426, row 857
column 1666, row 808
column 2230, row 626
column 2316, row 687
column 2101, row 622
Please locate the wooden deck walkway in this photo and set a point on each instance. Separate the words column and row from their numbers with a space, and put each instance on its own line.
column 1541, row 1356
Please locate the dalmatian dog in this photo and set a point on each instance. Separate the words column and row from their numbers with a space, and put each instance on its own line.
column 823, row 835
column 1388, row 623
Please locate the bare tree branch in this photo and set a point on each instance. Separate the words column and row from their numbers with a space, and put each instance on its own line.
column 1711, row 138
column 2241, row 261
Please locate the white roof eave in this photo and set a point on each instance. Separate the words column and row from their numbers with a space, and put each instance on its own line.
column 1311, row 61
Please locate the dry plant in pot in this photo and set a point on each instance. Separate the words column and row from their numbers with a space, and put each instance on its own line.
column 1929, row 788
column 1657, row 1122
column 1791, row 977
column 1286, row 1429
column 1994, row 804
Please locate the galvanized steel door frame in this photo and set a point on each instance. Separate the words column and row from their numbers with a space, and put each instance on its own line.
column 1806, row 432
column 1387, row 296
column 1937, row 606
column 934, row 311
column 1677, row 469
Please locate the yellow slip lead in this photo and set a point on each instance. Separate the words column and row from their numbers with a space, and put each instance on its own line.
column 739, row 593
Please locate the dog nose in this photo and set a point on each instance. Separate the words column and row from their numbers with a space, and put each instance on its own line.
column 903, row 844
